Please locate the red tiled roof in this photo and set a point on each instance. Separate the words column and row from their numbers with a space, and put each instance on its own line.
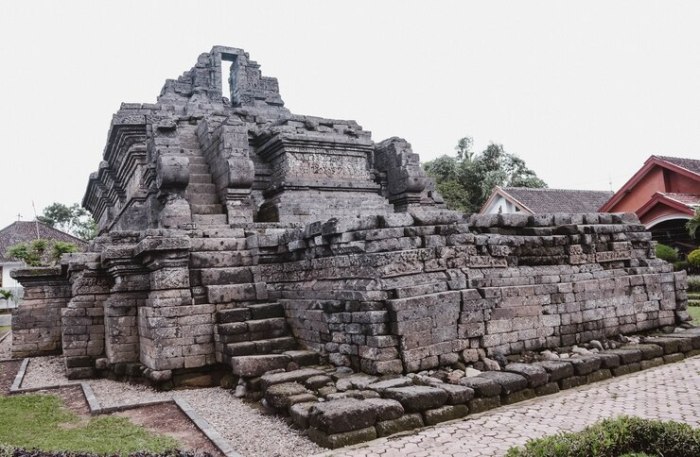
column 559, row 200
column 691, row 165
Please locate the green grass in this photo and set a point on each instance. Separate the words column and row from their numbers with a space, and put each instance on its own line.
column 694, row 312
column 41, row 422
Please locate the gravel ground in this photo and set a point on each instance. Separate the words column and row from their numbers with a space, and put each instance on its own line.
column 6, row 348
column 250, row 432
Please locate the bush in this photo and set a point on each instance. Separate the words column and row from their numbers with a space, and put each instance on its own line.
column 666, row 253
column 617, row 437
column 693, row 283
column 40, row 252
column 694, row 258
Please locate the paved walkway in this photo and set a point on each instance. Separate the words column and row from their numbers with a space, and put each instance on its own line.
column 669, row 392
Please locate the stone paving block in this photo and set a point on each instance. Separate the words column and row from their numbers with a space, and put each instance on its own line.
column 401, row 424
column 256, row 365
column 509, row 382
column 444, row 414
column 417, row 398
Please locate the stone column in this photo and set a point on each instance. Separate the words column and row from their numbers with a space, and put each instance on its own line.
column 36, row 323
column 129, row 292
column 173, row 332
column 83, row 318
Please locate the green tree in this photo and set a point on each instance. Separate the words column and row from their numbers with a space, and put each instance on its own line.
column 467, row 180
column 73, row 219
column 693, row 224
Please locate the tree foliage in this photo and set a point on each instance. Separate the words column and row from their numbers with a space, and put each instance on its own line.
column 73, row 219
column 39, row 253
column 466, row 180
column 693, row 224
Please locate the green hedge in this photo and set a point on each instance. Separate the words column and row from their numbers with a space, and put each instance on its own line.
column 623, row 436
column 666, row 253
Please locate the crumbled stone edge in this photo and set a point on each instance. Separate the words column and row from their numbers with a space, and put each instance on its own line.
column 4, row 337
column 669, row 353
column 96, row 409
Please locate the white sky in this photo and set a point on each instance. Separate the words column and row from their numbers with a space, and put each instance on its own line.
column 583, row 91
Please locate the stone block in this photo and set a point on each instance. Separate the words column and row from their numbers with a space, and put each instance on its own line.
column 337, row 440
column 342, row 415
column 482, row 386
column 257, row 365
column 401, row 424
column 481, row 404
column 444, row 414
column 509, row 382
column 417, row 398
column 535, row 375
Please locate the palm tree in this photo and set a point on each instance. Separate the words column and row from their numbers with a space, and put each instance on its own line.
column 693, row 224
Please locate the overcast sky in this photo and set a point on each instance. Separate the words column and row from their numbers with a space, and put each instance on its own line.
column 584, row 92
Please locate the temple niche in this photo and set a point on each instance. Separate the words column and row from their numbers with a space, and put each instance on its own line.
column 237, row 237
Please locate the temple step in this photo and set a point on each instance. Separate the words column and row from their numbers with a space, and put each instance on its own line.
column 202, row 198
column 209, row 219
column 200, row 178
column 207, row 209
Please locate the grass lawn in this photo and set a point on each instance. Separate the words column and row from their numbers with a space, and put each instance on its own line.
column 41, row 422
column 694, row 311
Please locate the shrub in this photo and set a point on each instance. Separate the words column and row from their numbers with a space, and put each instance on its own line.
column 694, row 258
column 40, row 252
column 693, row 283
column 617, row 437
column 666, row 253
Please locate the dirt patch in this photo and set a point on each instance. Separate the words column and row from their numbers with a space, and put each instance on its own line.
column 8, row 372
column 167, row 419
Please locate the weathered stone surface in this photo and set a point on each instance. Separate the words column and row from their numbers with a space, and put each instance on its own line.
column 299, row 376
column 401, row 424
column 299, row 412
column 336, row 440
column 585, row 364
column 483, row 386
column 343, row 415
column 444, row 414
column 257, row 365
column 535, row 375
column 278, row 395
column 509, row 382
column 417, row 398
column 457, row 394
column 389, row 383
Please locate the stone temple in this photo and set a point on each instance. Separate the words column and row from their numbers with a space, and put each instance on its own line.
column 238, row 237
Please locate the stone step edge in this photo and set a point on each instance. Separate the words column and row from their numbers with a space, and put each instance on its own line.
column 357, row 437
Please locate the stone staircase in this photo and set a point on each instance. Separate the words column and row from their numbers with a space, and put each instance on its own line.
column 201, row 191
